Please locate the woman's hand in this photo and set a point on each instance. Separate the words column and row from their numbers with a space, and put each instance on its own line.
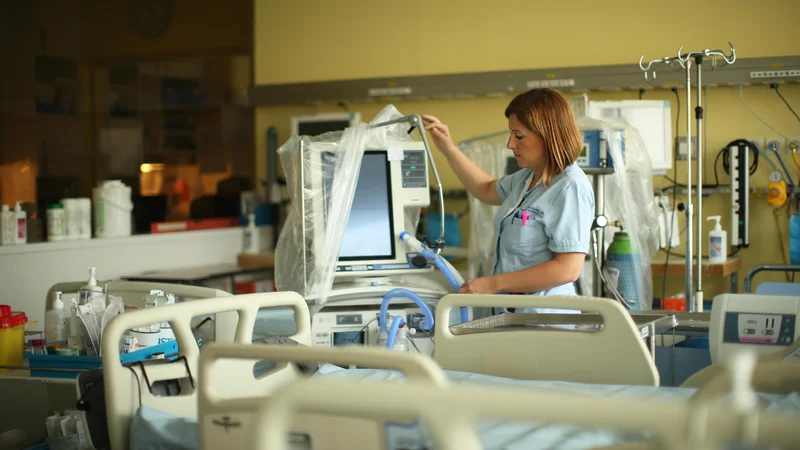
column 440, row 133
column 482, row 285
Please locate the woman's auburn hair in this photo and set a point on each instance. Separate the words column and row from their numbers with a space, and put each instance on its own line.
column 547, row 113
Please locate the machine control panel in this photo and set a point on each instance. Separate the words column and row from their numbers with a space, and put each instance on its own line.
column 409, row 264
column 414, row 169
column 761, row 329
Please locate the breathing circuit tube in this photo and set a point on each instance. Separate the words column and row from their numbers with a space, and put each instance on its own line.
column 396, row 322
column 450, row 273
column 426, row 324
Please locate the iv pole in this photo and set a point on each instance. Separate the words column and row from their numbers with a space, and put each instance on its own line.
column 693, row 303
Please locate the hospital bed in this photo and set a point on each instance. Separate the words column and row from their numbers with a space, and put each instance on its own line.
column 129, row 387
column 223, row 394
column 451, row 416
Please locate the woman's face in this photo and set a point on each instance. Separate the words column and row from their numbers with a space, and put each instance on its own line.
column 529, row 149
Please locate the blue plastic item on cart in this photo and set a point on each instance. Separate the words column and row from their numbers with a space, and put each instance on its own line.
column 70, row 366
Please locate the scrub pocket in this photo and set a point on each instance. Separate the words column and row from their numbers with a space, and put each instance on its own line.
column 522, row 239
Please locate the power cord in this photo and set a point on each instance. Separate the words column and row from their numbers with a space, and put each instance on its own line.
column 725, row 155
column 775, row 86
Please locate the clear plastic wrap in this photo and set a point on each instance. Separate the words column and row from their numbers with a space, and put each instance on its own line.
column 309, row 267
column 629, row 198
column 491, row 155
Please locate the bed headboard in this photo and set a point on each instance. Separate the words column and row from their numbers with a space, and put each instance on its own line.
column 616, row 354
column 230, row 395
column 122, row 388
column 450, row 415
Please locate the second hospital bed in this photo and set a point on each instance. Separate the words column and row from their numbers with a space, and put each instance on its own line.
column 163, row 416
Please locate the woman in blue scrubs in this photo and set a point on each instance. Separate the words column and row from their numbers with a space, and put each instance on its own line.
column 547, row 208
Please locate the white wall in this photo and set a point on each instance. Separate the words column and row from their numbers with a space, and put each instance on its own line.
column 28, row 271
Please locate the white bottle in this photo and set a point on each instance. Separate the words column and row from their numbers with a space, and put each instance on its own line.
column 21, row 217
column 717, row 242
column 57, row 321
column 250, row 236
column 401, row 343
column 8, row 223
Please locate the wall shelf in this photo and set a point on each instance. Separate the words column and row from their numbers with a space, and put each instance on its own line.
column 494, row 84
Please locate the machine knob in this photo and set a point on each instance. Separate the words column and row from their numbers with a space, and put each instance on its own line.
column 681, row 207
column 419, row 261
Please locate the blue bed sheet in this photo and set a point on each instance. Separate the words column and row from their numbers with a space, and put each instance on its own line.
column 155, row 429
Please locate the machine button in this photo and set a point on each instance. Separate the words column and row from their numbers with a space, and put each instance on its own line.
column 787, row 340
column 749, row 331
column 767, row 332
column 419, row 261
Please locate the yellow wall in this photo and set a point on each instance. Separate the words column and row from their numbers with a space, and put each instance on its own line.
column 354, row 39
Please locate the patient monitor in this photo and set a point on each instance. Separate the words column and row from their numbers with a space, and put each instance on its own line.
column 390, row 180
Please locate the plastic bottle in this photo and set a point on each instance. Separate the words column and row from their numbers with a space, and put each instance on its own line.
column 9, row 226
column 90, row 290
column 56, row 222
column 250, row 243
column 56, row 320
column 401, row 343
column 717, row 242
column 21, row 218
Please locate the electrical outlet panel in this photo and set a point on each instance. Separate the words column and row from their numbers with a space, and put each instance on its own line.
column 773, row 143
column 682, row 150
column 775, row 74
column 757, row 141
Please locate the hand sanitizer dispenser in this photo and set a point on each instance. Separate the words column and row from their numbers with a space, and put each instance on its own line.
column 717, row 242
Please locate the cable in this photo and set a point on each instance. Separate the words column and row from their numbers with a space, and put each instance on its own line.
column 741, row 97
column 777, row 214
column 775, row 86
column 674, row 191
column 725, row 154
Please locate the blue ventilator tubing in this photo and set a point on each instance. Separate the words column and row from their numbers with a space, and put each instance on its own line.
column 442, row 266
column 396, row 322
column 426, row 324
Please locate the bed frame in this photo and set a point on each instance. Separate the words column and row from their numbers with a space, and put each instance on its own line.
column 616, row 354
column 230, row 396
column 125, row 386
column 449, row 415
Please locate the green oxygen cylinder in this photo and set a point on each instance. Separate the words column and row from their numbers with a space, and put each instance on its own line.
column 623, row 256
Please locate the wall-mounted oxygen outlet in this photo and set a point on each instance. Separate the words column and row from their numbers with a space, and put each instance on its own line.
column 794, row 141
column 774, row 143
column 682, row 147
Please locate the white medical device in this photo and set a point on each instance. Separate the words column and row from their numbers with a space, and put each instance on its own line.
column 758, row 323
column 650, row 117
column 316, row 124
column 389, row 181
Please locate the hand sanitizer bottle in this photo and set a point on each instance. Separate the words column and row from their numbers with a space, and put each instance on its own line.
column 8, row 223
column 717, row 242
column 21, row 217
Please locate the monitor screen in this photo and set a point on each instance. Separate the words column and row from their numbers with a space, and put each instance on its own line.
column 369, row 234
column 315, row 128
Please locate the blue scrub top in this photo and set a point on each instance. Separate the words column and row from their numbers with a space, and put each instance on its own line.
column 560, row 220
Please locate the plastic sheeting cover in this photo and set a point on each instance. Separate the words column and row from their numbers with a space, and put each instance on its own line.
column 629, row 199
column 300, row 265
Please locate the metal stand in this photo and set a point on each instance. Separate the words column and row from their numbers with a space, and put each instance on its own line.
column 694, row 301
column 599, row 212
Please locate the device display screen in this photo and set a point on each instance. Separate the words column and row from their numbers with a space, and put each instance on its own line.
column 370, row 231
column 342, row 338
